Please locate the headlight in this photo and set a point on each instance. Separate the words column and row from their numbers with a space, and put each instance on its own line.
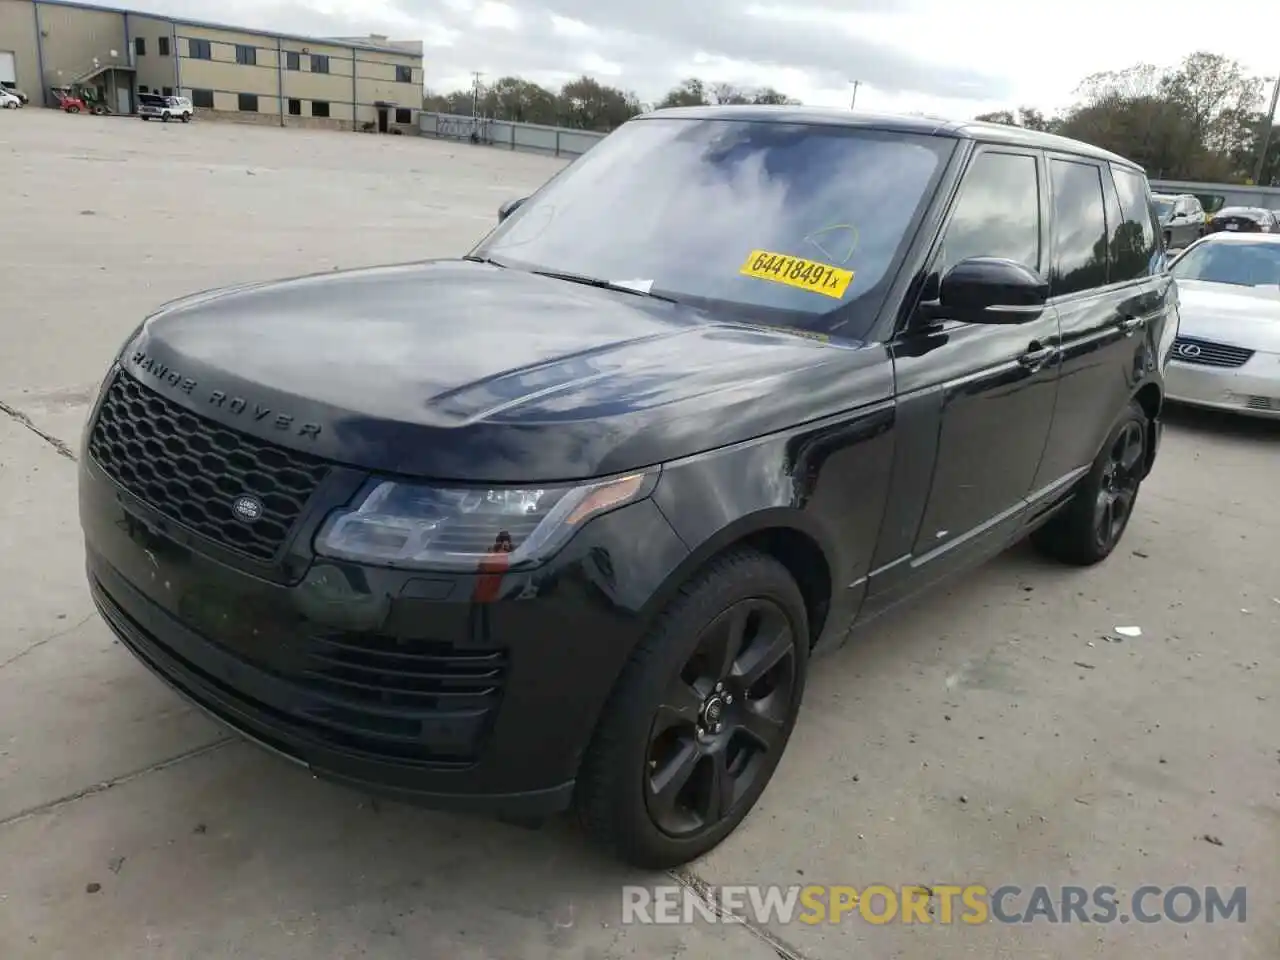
column 418, row 526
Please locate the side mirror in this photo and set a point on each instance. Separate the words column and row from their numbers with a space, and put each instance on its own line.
column 510, row 207
column 992, row 290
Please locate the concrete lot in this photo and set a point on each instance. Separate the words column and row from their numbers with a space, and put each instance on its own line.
column 989, row 735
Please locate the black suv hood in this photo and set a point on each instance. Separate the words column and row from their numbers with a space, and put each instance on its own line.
column 456, row 370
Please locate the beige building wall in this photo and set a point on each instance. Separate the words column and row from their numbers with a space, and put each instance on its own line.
column 376, row 80
column 155, row 70
column 18, row 36
column 71, row 37
column 285, row 81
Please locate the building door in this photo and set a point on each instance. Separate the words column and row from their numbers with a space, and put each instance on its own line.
column 124, row 100
column 382, row 119
column 8, row 69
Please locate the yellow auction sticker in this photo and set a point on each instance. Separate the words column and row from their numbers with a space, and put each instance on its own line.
column 797, row 272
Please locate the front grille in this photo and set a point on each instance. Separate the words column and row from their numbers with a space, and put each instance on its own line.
column 192, row 470
column 1206, row 353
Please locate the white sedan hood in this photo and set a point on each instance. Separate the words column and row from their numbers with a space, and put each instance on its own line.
column 1226, row 313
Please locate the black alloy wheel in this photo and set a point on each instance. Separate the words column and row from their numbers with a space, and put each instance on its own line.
column 699, row 716
column 1087, row 529
column 722, row 716
column 1118, row 489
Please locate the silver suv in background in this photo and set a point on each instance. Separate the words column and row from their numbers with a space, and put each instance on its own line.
column 154, row 105
column 1181, row 217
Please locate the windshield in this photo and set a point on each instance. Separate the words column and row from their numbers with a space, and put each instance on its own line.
column 777, row 223
column 1163, row 207
column 1240, row 264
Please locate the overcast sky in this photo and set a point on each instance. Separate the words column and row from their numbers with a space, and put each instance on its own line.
column 935, row 56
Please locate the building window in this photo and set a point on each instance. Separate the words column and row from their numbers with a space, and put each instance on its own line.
column 140, row 46
column 292, row 61
column 248, row 103
column 199, row 50
column 319, row 63
column 295, row 108
column 404, row 115
column 246, row 55
column 404, row 74
column 319, row 108
column 162, row 46
column 143, row 88
column 167, row 91
column 202, row 98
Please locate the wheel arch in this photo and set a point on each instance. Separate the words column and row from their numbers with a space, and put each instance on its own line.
column 786, row 535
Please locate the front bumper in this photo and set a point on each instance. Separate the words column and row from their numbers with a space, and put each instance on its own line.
column 392, row 682
column 1252, row 389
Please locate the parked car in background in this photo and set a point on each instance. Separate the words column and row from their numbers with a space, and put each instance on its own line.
column 1227, row 354
column 9, row 101
column 1244, row 220
column 154, row 106
column 1182, row 218
column 568, row 525
column 22, row 97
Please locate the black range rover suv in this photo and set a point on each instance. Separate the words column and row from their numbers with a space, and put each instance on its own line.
column 561, row 522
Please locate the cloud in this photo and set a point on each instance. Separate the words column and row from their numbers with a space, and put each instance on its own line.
column 643, row 47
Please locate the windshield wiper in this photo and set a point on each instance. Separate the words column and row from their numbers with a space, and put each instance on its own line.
column 489, row 260
column 602, row 284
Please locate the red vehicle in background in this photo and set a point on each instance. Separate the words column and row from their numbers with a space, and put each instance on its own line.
column 72, row 100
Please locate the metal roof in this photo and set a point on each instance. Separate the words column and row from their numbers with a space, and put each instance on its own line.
column 904, row 123
column 208, row 25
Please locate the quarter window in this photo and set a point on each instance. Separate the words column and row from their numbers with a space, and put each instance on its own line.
column 1133, row 243
column 1079, row 228
column 997, row 213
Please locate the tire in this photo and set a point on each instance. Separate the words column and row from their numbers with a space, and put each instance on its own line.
column 9, row 105
column 186, row 118
column 144, row 119
column 164, row 117
column 1080, row 535
column 73, row 109
column 638, row 739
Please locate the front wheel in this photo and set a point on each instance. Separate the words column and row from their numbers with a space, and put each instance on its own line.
column 1091, row 525
column 73, row 109
column 700, row 716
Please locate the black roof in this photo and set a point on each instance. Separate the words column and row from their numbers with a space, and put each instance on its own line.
column 903, row 123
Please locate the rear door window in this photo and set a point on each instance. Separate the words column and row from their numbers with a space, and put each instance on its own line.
column 1079, row 228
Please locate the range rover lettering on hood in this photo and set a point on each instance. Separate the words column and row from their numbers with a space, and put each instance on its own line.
column 235, row 406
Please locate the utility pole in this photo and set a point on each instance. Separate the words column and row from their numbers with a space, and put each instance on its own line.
column 475, row 93
column 1270, row 122
column 854, row 99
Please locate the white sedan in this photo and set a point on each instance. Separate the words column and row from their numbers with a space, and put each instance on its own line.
column 9, row 101
column 1227, row 354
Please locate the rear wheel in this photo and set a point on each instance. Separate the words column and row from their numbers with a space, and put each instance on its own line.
column 1090, row 527
column 700, row 716
column 164, row 117
column 73, row 109
column 186, row 118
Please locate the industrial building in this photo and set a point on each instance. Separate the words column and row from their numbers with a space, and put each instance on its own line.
column 112, row 55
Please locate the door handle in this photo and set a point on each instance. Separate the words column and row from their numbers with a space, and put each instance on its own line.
column 1035, row 356
column 1129, row 323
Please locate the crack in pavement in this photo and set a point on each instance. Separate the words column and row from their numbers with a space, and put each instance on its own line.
column 16, row 415
column 704, row 891
column 49, row 639
column 105, row 785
